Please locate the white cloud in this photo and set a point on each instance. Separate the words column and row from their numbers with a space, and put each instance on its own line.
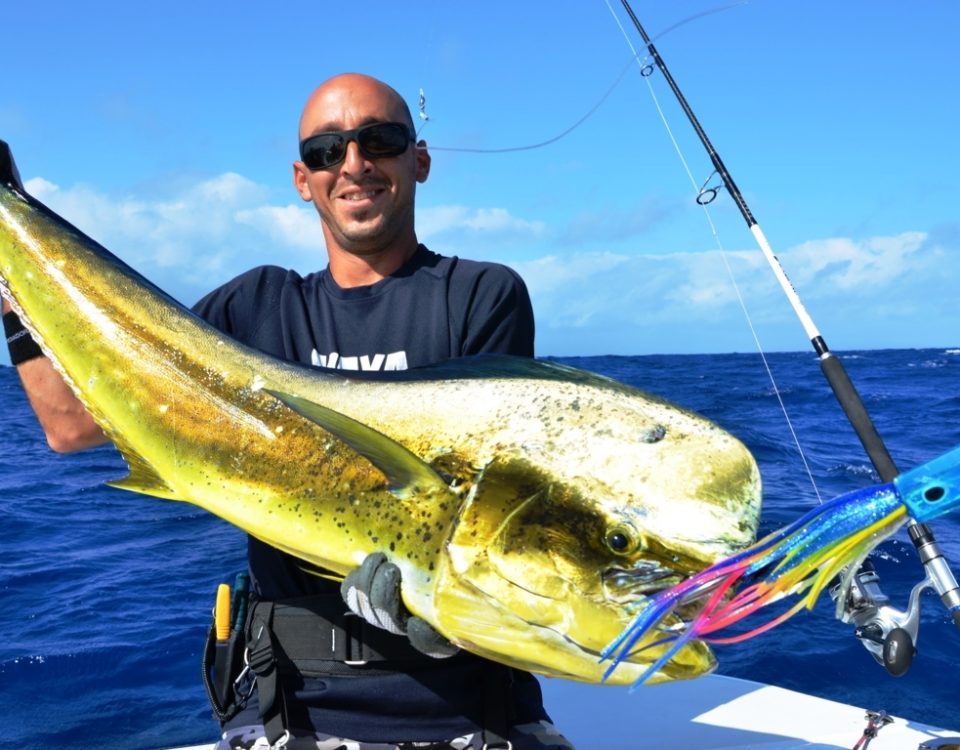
column 845, row 264
column 586, row 302
column 433, row 221
column 290, row 225
column 869, row 289
column 586, row 288
column 41, row 189
column 553, row 272
column 186, row 242
column 204, row 233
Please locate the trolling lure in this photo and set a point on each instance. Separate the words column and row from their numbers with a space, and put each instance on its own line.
column 832, row 540
column 799, row 560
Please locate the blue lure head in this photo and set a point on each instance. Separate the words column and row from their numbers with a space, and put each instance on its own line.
column 933, row 488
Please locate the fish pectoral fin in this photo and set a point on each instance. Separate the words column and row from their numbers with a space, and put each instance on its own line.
column 316, row 570
column 142, row 477
column 404, row 470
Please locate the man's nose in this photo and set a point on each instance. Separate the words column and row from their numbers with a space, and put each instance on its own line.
column 354, row 161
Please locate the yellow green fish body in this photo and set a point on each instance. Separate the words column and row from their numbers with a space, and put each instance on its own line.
column 531, row 507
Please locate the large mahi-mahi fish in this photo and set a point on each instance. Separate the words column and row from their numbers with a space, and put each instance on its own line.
column 529, row 506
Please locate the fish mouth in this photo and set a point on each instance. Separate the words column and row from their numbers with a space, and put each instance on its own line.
column 644, row 578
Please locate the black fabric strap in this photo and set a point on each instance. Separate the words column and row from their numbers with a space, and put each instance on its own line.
column 262, row 659
column 314, row 636
column 497, row 686
column 317, row 636
column 22, row 347
column 218, row 678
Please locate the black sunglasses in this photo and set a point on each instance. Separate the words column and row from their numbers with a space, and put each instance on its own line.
column 375, row 141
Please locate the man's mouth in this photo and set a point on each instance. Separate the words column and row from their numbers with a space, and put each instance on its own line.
column 361, row 195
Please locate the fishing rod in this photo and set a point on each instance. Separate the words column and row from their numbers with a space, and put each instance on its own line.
column 887, row 633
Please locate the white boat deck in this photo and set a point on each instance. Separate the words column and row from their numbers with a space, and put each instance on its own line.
column 720, row 713
column 717, row 713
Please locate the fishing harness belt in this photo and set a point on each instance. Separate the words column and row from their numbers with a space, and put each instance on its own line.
column 316, row 636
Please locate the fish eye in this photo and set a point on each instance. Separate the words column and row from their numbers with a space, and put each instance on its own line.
column 621, row 540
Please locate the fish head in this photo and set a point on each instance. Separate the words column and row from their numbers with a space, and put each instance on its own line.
column 559, row 561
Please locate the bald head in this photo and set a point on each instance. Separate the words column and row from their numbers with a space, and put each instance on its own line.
column 365, row 197
column 354, row 98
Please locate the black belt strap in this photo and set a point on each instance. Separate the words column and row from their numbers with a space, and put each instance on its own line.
column 262, row 660
column 311, row 637
column 315, row 636
column 497, row 684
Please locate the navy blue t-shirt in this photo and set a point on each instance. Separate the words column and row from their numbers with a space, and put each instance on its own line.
column 433, row 308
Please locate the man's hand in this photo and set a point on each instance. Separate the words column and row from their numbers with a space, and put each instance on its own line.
column 373, row 592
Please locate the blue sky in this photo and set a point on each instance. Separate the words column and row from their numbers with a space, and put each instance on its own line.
column 167, row 133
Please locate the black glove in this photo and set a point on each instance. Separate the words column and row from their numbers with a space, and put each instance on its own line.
column 373, row 592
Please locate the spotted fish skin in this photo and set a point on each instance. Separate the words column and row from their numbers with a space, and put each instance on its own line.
column 531, row 507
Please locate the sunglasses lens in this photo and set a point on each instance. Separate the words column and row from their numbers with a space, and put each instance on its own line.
column 323, row 150
column 383, row 139
column 380, row 140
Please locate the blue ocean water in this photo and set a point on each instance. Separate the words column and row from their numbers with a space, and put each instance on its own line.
column 107, row 594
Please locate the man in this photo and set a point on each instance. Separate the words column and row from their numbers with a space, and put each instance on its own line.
column 384, row 302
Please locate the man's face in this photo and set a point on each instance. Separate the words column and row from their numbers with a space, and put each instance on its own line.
column 366, row 204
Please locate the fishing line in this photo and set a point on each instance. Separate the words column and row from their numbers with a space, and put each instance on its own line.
column 873, row 614
column 425, row 118
column 705, row 196
column 532, row 146
column 832, row 367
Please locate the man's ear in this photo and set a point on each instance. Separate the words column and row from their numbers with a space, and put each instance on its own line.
column 300, row 173
column 423, row 162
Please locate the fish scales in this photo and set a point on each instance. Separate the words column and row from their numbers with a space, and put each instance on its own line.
column 531, row 507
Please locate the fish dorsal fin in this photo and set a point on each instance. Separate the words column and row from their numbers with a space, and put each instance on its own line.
column 404, row 470
column 9, row 175
column 143, row 478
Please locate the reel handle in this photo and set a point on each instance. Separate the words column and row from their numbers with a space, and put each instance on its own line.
column 898, row 652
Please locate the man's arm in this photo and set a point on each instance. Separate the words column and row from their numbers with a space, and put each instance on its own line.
column 66, row 423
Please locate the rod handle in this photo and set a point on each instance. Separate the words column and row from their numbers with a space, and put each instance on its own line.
column 856, row 412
